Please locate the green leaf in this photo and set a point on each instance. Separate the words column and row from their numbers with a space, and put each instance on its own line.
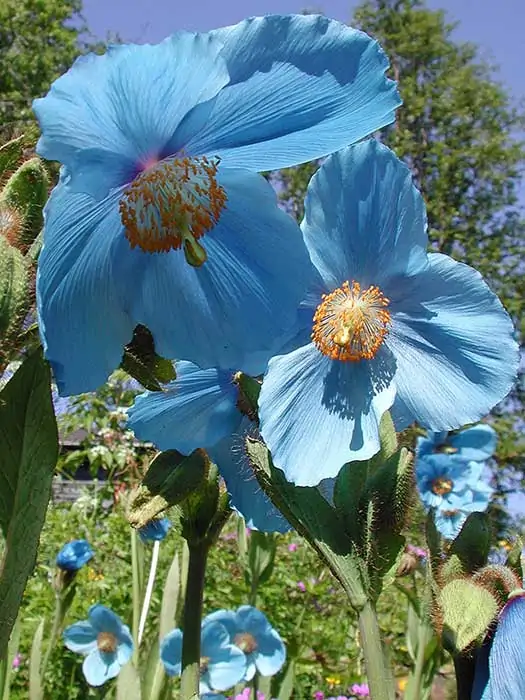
column 14, row 280
column 7, row 663
column 142, row 362
column 10, row 156
column 348, row 489
column 170, row 599
column 287, row 683
column 515, row 559
column 314, row 518
column 28, row 455
column 261, row 556
column 170, row 478
column 468, row 611
column 472, row 545
column 36, row 690
column 26, row 191
column 128, row 683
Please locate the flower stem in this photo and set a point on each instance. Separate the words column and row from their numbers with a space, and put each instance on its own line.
column 464, row 667
column 191, row 626
column 58, row 618
column 149, row 590
column 379, row 676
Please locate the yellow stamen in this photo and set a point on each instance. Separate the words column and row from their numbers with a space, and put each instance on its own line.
column 107, row 642
column 441, row 486
column 246, row 642
column 172, row 204
column 350, row 324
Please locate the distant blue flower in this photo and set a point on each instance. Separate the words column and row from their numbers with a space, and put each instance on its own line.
column 156, row 529
column 74, row 555
column 451, row 517
column 250, row 630
column 500, row 671
column 222, row 663
column 385, row 326
column 160, row 217
column 105, row 642
column 201, row 409
column 477, row 443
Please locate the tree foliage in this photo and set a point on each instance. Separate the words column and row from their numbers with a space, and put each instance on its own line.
column 38, row 42
column 457, row 132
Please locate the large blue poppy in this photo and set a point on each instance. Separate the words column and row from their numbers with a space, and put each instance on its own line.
column 477, row 443
column 386, row 325
column 201, row 409
column 500, row 673
column 160, row 217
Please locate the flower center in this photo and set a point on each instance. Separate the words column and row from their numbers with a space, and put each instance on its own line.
column 171, row 205
column 445, row 449
column 350, row 324
column 441, row 486
column 246, row 642
column 204, row 663
column 107, row 642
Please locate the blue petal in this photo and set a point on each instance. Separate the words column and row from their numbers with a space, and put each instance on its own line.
column 226, row 668
column 301, row 87
column 253, row 621
column 271, row 653
column 449, row 525
column 482, row 687
column 317, row 414
column 99, row 668
column 242, row 299
column 82, row 319
column 105, row 620
column 428, row 443
column 477, row 443
column 80, row 637
column 110, row 115
column 364, row 219
column 227, row 618
column 246, row 495
column 171, row 652
column 507, row 672
column 214, row 636
column 155, row 530
column 454, row 347
column 125, row 645
column 74, row 555
column 197, row 410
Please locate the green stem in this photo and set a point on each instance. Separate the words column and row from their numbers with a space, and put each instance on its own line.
column 58, row 618
column 191, row 626
column 413, row 691
column 379, row 676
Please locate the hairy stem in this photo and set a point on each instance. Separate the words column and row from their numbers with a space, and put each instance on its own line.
column 191, row 626
column 379, row 676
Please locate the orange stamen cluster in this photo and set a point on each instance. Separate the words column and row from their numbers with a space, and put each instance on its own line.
column 350, row 324
column 246, row 642
column 173, row 204
column 441, row 486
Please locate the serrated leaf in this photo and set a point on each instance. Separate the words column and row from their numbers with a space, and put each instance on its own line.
column 128, row 683
column 36, row 691
column 170, row 478
column 28, row 455
column 314, row 518
column 468, row 611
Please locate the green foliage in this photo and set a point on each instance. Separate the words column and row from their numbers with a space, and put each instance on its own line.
column 468, row 611
column 38, row 42
column 25, row 192
column 28, row 455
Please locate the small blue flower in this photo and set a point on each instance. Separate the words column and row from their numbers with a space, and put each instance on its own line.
column 251, row 631
column 156, row 529
column 222, row 663
column 74, row 555
column 476, row 444
column 200, row 409
column 160, row 216
column 105, row 642
column 500, row 673
column 385, row 326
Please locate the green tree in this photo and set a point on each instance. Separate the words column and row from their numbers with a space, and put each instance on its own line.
column 39, row 39
column 457, row 132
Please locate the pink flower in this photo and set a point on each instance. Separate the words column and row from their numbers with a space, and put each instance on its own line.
column 301, row 586
column 360, row 689
column 292, row 547
column 17, row 661
column 318, row 695
column 418, row 551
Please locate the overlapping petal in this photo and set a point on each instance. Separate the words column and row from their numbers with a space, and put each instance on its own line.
column 301, row 87
column 317, row 414
column 477, row 443
column 171, row 652
column 245, row 295
column 507, row 675
column 196, row 410
column 99, row 667
column 104, row 128
column 454, row 347
column 81, row 637
column 83, row 319
column 364, row 220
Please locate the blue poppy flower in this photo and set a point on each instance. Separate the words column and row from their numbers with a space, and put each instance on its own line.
column 160, row 217
column 451, row 517
column 439, row 475
column 251, row 631
column 386, row 325
column 477, row 443
column 105, row 642
column 500, row 673
column 155, row 530
column 201, row 409
column 222, row 663
column 74, row 555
